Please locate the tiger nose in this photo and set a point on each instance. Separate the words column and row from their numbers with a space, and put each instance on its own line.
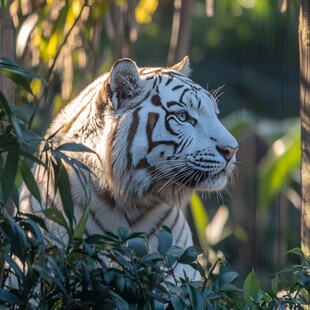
column 227, row 151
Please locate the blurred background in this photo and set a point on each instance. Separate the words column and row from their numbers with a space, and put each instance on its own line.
column 245, row 50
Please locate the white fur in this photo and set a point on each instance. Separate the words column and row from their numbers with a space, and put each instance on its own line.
column 145, row 198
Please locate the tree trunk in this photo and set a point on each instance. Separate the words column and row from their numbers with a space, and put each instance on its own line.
column 7, row 87
column 181, row 29
column 304, row 56
column 7, row 49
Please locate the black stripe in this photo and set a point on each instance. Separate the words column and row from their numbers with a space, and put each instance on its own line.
column 141, row 101
column 103, row 195
column 131, row 134
column 176, row 219
column 98, row 223
column 159, row 223
column 165, row 142
column 183, row 146
column 177, row 87
column 156, row 100
column 168, row 127
column 181, row 231
column 151, row 123
column 183, row 93
column 172, row 103
column 170, row 79
column 110, row 150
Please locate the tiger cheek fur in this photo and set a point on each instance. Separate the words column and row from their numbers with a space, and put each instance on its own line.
column 157, row 138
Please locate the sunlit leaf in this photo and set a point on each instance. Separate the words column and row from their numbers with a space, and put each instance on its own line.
column 17, row 74
column 275, row 169
column 200, row 218
column 17, row 79
column 144, row 10
column 80, row 227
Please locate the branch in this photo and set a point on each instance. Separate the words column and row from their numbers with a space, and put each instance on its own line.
column 65, row 40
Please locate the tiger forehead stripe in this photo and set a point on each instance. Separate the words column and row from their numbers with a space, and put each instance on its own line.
column 156, row 100
column 131, row 135
column 151, row 123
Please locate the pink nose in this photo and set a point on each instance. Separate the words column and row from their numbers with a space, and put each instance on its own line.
column 227, row 151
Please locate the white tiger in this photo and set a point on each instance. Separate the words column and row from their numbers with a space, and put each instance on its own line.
column 157, row 139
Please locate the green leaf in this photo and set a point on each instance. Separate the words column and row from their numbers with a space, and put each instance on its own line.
column 177, row 302
column 299, row 252
column 138, row 245
column 8, row 297
column 196, row 298
column 29, row 180
column 197, row 266
column 56, row 216
column 16, row 235
column 10, row 170
column 74, row 147
column 80, row 227
column 65, row 194
column 17, row 79
column 277, row 166
column 17, row 74
column 274, row 285
column 36, row 219
column 226, row 281
column 15, row 267
column 5, row 106
column 200, row 218
column 251, row 287
column 190, row 255
column 164, row 240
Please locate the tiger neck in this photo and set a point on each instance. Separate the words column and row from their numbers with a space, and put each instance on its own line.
column 153, row 197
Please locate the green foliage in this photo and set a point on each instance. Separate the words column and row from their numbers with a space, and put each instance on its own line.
column 277, row 166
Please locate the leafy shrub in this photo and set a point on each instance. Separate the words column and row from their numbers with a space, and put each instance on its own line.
column 112, row 271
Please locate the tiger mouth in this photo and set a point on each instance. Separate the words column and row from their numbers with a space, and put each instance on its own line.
column 203, row 176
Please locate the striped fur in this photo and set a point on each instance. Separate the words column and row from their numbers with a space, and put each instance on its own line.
column 157, row 138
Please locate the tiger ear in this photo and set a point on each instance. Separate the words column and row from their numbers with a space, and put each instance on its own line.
column 183, row 66
column 125, row 83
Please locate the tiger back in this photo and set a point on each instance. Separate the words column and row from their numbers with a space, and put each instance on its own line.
column 156, row 139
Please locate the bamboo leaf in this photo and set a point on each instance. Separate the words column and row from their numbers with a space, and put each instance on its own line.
column 200, row 218
column 57, row 217
column 29, row 180
column 80, row 227
column 65, row 194
column 74, row 147
column 17, row 79
column 10, row 170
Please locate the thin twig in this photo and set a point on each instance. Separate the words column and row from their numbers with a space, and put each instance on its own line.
column 65, row 40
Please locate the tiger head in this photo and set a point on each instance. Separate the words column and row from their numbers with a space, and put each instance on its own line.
column 168, row 133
